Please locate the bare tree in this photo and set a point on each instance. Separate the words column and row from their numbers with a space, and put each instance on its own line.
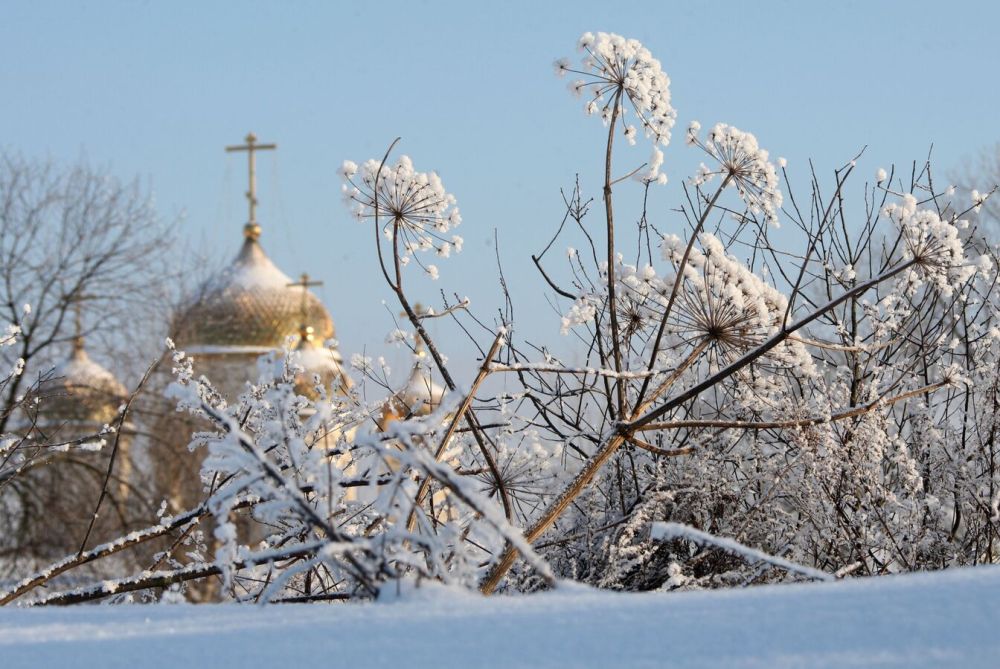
column 83, row 256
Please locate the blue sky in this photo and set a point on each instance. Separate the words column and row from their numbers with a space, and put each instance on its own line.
column 157, row 89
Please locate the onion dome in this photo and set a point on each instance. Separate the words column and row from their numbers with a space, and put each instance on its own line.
column 419, row 397
column 80, row 391
column 251, row 306
column 317, row 360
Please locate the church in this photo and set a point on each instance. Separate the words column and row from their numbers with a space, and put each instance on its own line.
column 251, row 308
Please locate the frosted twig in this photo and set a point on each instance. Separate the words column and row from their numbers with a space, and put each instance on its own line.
column 668, row 531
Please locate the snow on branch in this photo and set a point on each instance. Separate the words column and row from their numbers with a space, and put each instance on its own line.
column 668, row 531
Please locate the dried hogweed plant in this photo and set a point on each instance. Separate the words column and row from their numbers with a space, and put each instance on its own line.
column 830, row 401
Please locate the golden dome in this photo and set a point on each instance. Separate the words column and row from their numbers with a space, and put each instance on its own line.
column 251, row 306
column 79, row 391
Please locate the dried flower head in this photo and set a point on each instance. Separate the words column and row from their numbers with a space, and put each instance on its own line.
column 413, row 205
column 619, row 69
column 744, row 163
column 724, row 304
column 933, row 243
column 639, row 304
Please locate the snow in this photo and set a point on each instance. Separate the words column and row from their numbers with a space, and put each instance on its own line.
column 251, row 270
column 945, row 619
column 80, row 370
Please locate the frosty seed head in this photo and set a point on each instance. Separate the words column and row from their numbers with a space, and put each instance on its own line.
column 740, row 160
column 413, row 205
column 614, row 68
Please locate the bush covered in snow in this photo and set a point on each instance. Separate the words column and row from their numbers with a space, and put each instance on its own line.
column 832, row 406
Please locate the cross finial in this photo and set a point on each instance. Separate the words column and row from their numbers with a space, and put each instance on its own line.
column 77, row 328
column 252, row 229
column 77, row 301
column 305, row 282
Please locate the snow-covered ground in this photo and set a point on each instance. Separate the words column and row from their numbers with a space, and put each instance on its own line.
column 928, row 620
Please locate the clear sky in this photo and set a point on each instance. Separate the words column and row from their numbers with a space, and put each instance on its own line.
column 157, row 90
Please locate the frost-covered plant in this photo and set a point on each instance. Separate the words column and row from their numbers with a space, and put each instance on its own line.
column 933, row 244
column 8, row 338
column 717, row 396
column 412, row 209
column 616, row 70
column 741, row 163
column 302, row 505
column 832, row 407
column 49, row 472
column 724, row 303
column 343, row 502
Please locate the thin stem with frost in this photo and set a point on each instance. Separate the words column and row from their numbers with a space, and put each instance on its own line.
column 416, row 320
column 616, row 348
column 484, row 370
column 668, row 531
column 854, row 412
column 667, row 453
column 164, row 579
column 114, row 450
column 661, row 329
column 572, row 490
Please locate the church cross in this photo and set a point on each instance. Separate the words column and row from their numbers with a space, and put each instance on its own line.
column 251, row 147
column 305, row 282
column 77, row 300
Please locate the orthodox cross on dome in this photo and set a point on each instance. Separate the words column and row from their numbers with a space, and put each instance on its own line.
column 252, row 229
column 77, row 300
column 305, row 282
